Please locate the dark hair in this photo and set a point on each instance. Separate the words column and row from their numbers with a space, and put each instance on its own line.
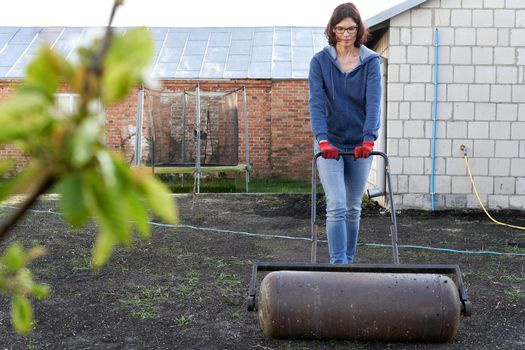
column 341, row 12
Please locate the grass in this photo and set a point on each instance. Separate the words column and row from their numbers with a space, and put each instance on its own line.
column 221, row 184
column 143, row 303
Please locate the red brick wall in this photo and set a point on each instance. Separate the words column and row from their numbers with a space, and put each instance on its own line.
column 280, row 141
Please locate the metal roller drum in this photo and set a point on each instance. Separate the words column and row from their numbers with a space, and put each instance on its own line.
column 357, row 305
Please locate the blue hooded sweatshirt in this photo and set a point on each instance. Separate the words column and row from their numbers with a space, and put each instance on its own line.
column 345, row 107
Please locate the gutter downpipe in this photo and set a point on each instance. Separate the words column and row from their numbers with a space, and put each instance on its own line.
column 434, row 117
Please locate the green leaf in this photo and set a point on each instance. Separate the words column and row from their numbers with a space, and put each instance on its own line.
column 14, row 257
column 103, row 248
column 82, row 145
column 45, row 72
column 125, row 64
column 139, row 214
column 160, row 198
column 23, row 181
column 72, row 202
column 40, row 291
column 21, row 314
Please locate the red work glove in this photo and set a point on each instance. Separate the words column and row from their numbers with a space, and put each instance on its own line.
column 329, row 151
column 364, row 150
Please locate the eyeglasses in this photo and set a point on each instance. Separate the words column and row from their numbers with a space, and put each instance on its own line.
column 342, row 30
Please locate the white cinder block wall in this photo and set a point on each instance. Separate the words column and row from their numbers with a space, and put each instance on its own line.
column 481, row 103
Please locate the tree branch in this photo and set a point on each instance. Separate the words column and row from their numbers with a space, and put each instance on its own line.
column 10, row 222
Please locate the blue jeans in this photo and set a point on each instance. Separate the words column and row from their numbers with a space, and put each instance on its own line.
column 344, row 182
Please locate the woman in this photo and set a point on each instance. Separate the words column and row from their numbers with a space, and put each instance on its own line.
column 345, row 93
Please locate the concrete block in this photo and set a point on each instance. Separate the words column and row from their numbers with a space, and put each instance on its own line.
column 520, row 18
column 414, row 92
column 394, row 36
column 422, row 36
column 443, row 148
column 455, row 201
column 517, row 167
column 401, row 20
column 392, row 147
column 465, row 36
column 485, row 111
column 479, row 93
column 450, row 3
column 414, row 201
column 517, row 131
column 395, row 91
column 418, row 184
column 484, row 148
column 521, row 112
column 499, row 167
column 493, row 3
column 421, row 17
column 503, row 37
column 456, row 166
column 487, row 36
column 473, row 202
column 479, row 166
column 520, row 185
column 506, row 75
column 413, row 166
column 482, row 18
column 442, row 184
column 392, row 110
column 484, row 184
column 461, row 184
column 485, row 75
column 417, row 54
column 517, row 202
column 482, row 55
column 463, row 74
column 403, row 148
column 431, row 4
column 442, row 17
column 500, row 93
column 504, row 185
column 445, row 37
column 405, row 36
column 518, row 93
column 441, row 129
column 404, row 110
column 478, row 130
column 498, row 202
column 504, row 55
column 517, row 37
column 507, row 149
column 460, row 55
column 421, row 110
column 396, row 165
column 508, row 112
column 460, row 18
column 395, row 129
column 456, row 129
column 414, row 129
column 393, row 73
column 499, row 130
column 457, row 92
column 472, row 4
column 445, row 74
column 404, row 73
column 439, row 166
column 504, row 18
column 402, row 183
column 457, row 144
column 444, row 110
column 397, row 54
column 419, row 148
column 522, row 149
column 464, row 111
column 421, row 73
column 441, row 95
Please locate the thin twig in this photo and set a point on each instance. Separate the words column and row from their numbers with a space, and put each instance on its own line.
column 11, row 221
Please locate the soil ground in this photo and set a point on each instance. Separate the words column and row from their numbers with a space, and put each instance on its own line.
column 186, row 288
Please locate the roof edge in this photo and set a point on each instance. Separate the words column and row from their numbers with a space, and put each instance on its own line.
column 391, row 12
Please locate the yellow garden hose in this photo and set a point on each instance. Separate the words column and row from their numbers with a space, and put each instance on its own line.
column 464, row 149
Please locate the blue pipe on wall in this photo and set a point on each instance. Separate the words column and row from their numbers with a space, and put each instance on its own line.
column 436, row 64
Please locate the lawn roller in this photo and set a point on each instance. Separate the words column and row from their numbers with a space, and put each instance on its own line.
column 386, row 302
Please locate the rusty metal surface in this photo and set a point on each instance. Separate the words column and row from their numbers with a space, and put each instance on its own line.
column 367, row 306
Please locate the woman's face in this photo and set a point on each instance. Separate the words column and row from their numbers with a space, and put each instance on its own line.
column 346, row 32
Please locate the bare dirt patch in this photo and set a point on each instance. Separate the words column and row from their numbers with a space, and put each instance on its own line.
column 186, row 288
